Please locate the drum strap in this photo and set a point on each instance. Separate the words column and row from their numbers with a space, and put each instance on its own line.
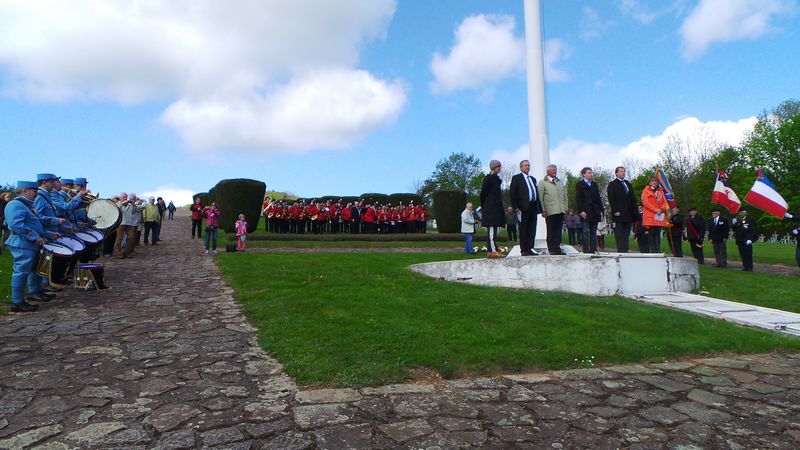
column 31, row 209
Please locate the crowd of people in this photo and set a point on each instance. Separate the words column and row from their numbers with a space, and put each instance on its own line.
column 52, row 211
column 647, row 217
column 331, row 217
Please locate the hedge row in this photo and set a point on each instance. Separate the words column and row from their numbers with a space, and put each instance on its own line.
column 448, row 206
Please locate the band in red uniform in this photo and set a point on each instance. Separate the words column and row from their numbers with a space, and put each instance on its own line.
column 331, row 217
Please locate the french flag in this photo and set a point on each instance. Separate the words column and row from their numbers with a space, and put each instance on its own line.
column 723, row 194
column 765, row 197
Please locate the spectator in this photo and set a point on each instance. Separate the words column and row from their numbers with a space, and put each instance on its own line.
column 590, row 209
column 211, row 214
column 197, row 217
column 171, row 208
column 553, row 196
column 640, row 232
column 511, row 224
column 162, row 208
column 622, row 202
column 5, row 197
column 654, row 215
column 602, row 230
column 492, row 208
column 573, row 223
column 151, row 219
column 241, row 234
column 468, row 228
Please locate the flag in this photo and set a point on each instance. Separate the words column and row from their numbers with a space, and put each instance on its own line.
column 765, row 197
column 723, row 194
column 664, row 184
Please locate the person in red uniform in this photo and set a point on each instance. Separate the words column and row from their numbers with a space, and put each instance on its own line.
column 346, row 217
column 264, row 212
column 369, row 220
column 422, row 220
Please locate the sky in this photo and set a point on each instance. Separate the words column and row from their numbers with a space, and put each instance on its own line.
column 316, row 98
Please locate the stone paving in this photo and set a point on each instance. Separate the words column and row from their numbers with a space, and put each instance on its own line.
column 166, row 360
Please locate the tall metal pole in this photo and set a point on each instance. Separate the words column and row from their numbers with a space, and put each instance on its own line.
column 537, row 114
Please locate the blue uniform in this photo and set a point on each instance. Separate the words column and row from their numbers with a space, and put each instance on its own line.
column 64, row 206
column 26, row 227
column 47, row 210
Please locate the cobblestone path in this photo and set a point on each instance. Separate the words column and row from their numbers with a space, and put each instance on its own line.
column 166, row 360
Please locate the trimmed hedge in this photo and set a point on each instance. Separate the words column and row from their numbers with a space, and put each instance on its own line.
column 448, row 206
column 405, row 198
column 203, row 198
column 212, row 196
column 373, row 197
column 239, row 196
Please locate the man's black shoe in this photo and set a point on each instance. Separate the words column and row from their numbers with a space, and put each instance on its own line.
column 39, row 297
column 526, row 253
column 23, row 307
column 51, row 289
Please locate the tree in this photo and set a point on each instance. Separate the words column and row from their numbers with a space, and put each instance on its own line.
column 774, row 146
column 458, row 172
column 681, row 157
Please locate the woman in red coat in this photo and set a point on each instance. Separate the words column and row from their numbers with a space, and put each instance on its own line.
column 654, row 214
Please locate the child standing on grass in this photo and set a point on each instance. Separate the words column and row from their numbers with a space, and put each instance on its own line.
column 241, row 234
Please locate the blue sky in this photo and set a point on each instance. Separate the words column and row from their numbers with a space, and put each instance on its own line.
column 354, row 96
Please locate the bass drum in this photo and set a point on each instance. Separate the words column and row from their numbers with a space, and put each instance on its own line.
column 104, row 213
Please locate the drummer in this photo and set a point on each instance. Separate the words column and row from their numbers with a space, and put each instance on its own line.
column 27, row 235
column 64, row 205
column 44, row 204
column 80, row 212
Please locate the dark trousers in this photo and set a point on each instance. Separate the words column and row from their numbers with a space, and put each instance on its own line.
column 196, row 223
column 589, row 236
column 527, row 230
column 676, row 244
column 149, row 227
column 697, row 251
column 171, row 213
column 746, row 253
column 654, row 239
column 720, row 253
column 573, row 235
column 797, row 256
column 555, row 225
column 157, row 232
column 512, row 232
column 644, row 244
column 622, row 234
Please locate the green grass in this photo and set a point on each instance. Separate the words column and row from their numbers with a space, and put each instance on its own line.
column 365, row 319
column 5, row 282
column 754, row 288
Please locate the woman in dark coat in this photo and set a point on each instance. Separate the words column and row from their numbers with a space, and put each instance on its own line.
column 493, row 214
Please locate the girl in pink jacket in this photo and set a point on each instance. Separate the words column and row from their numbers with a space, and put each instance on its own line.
column 241, row 233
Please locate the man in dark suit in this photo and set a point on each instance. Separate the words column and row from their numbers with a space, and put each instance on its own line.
column 718, row 230
column 695, row 234
column 525, row 200
column 745, row 231
column 590, row 208
column 622, row 201
column 675, row 236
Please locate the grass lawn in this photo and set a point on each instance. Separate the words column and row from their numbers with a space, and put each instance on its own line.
column 754, row 288
column 5, row 282
column 365, row 319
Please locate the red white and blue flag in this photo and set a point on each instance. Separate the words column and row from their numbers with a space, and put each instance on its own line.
column 664, row 184
column 723, row 194
column 765, row 197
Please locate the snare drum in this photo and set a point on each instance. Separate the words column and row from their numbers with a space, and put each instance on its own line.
column 54, row 263
column 89, row 277
column 74, row 243
column 92, row 244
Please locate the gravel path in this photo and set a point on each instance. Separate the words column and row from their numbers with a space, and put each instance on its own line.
column 166, row 360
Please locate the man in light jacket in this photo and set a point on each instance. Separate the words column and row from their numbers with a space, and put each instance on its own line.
column 468, row 228
column 553, row 195
column 131, row 217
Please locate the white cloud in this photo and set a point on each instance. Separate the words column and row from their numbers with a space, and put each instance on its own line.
column 592, row 26
column 170, row 193
column 200, row 52
column 555, row 51
column 713, row 21
column 330, row 108
column 574, row 154
column 485, row 51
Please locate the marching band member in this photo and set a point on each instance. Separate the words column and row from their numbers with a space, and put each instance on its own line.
column 81, row 185
column 27, row 235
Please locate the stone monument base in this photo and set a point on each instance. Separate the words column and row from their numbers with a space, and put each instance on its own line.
column 603, row 274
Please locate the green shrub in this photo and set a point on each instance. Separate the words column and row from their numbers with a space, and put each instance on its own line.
column 405, row 198
column 239, row 196
column 372, row 198
column 448, row 206
column 203, row 198
column 212, row 197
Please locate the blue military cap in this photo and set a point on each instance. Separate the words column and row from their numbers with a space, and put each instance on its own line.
column 79, row 180
column 67, row 181
column 45, row 176
column 27, row 185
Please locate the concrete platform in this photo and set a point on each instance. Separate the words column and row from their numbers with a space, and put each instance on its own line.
column 604, row 274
